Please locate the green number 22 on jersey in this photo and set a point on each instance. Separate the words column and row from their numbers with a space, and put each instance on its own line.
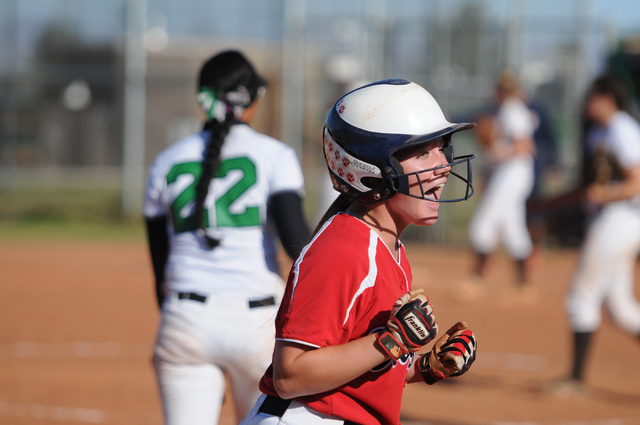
column 224, row 217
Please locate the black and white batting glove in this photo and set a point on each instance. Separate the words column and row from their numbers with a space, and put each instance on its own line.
column 411, row 326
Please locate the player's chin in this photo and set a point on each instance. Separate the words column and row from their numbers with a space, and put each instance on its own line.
column 429, row 218
column 429, row 222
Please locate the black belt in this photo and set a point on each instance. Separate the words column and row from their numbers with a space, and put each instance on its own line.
column 276, row 406
column 263, row 302
column 191, row 296
column 201, row 298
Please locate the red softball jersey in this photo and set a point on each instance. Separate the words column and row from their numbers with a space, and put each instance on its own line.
column 343, row 287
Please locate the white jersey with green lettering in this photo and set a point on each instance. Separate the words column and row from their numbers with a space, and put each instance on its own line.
column 253, row 168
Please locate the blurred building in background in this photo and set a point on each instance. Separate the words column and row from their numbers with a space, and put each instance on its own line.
column 91, row 90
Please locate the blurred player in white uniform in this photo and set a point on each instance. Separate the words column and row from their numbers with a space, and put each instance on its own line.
column 215, row 203
column 509, row 154
column 605, row 273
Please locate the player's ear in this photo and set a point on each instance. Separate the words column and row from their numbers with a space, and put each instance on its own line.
column 249, row 112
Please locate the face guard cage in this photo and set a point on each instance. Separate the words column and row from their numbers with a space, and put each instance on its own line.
column 401, row 182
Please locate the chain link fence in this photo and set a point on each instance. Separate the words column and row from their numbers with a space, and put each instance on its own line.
column 63, row 85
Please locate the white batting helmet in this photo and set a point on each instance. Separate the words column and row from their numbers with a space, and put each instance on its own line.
column 369, row 125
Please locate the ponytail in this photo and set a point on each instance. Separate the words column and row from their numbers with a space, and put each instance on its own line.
column 227, row 85
column 210, row 165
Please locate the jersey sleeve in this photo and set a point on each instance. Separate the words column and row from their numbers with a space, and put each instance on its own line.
column 625, row 142
column 286, row 172
column 318, row 306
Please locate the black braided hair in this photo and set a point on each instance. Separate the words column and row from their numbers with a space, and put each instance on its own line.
column 210, row 165
column 224, row 73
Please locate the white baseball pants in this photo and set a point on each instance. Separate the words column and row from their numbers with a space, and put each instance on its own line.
column 501, row 212
column 297, row 414
column 605, row 274
column 198, row 343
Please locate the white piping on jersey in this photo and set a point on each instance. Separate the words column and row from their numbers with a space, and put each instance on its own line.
column 370, row 280
column 297, row 341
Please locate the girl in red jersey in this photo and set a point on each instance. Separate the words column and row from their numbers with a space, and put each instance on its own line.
column 349, row 323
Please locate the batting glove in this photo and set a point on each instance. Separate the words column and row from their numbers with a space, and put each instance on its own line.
column 452, row 355
column 411, row 326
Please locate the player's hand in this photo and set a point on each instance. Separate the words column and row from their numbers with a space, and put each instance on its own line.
column 598, row 193
column 411, row 325
column 452, row 354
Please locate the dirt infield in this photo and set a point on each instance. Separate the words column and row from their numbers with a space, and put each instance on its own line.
column 78, row 323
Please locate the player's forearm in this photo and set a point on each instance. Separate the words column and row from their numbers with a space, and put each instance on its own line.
column 519, row 147
column 523, row 146
column 299, row 372
column 570, row 199
column 616, row 191
column 612, row 192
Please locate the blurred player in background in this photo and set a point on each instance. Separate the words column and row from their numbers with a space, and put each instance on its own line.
column 215, row 203
column 605, row 273
column 507, row 138
column 349, row 323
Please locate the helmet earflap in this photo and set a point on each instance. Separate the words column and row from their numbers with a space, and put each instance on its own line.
column 396, row 165
column 354, row 177
column 447, row 148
